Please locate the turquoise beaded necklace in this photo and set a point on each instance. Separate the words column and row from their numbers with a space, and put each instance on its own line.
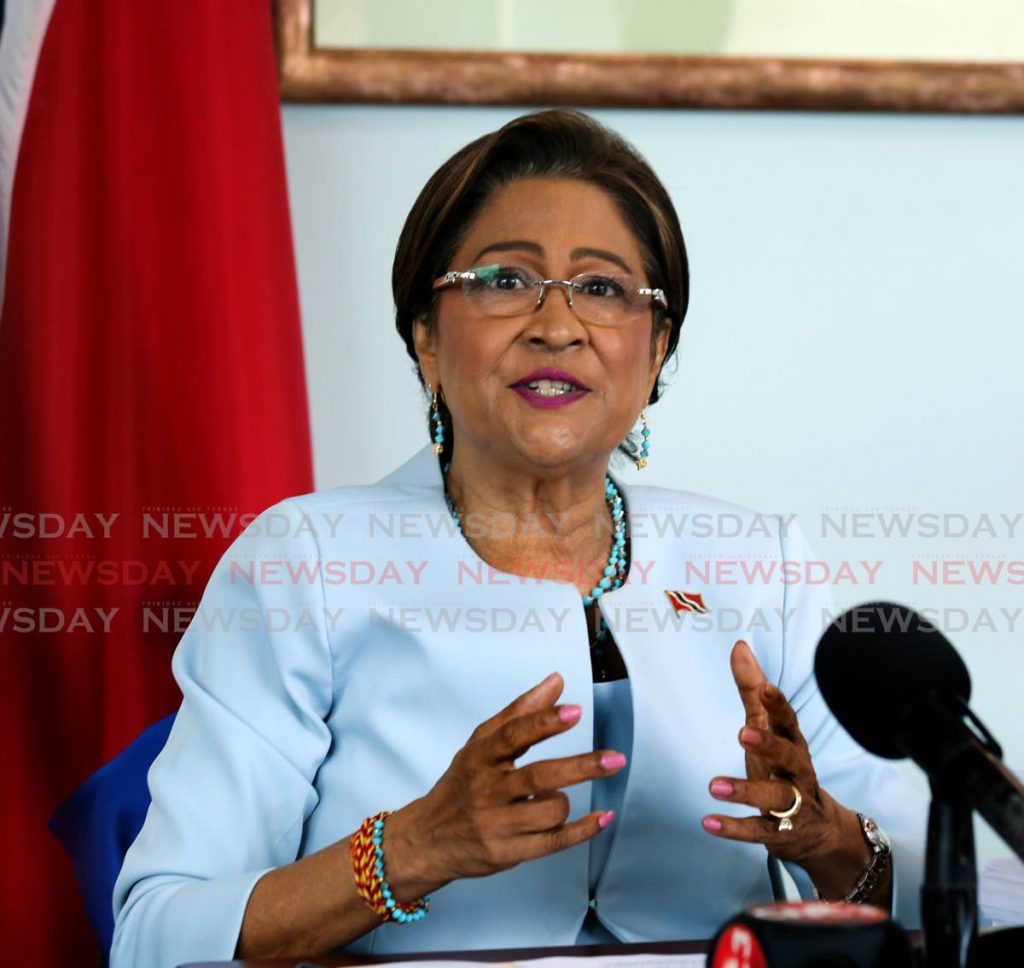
column 614, row 571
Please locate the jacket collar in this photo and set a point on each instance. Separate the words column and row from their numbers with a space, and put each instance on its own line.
column 421, row 469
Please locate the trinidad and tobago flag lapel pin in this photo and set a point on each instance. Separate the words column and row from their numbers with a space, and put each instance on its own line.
column 687, row 602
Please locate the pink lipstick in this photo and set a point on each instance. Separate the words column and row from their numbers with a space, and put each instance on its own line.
column 548, row 388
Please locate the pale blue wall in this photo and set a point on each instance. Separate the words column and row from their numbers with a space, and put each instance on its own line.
column 855, row 338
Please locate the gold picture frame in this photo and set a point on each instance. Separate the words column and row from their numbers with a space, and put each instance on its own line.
column 311, row 74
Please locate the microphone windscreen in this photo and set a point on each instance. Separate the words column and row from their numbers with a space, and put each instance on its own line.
column 878, row 661
column 810, row 934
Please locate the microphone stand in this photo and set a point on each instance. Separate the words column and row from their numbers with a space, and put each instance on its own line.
column 960, row 774
column 949, row 895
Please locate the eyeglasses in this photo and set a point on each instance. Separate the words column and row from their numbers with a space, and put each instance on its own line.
column 598, row 298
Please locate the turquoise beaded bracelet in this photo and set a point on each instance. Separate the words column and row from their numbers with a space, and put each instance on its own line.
column 396, row 913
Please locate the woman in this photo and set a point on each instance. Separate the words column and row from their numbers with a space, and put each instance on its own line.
column 502, row 642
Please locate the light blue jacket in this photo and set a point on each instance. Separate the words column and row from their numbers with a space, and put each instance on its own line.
column 349, row 642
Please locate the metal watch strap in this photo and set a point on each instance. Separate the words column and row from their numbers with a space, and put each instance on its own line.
column 870, row 876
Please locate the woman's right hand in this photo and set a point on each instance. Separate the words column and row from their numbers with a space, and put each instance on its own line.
column 485, row 814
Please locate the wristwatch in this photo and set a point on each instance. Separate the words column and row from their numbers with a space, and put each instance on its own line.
column 881, row 851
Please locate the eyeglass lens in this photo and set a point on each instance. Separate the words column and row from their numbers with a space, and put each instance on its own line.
column 596, row 297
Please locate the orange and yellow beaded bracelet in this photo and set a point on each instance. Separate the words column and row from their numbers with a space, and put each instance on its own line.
column 366, row 848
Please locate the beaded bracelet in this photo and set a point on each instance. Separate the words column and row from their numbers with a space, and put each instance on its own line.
column 366, row 847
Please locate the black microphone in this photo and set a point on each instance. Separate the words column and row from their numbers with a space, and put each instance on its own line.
column 810, row 934
column 900, row 689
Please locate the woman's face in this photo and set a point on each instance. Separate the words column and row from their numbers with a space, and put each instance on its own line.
column 557, row 228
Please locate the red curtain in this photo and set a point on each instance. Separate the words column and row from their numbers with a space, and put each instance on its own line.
column 151, row 393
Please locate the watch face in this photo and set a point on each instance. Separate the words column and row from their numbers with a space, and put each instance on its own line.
column 876, row 836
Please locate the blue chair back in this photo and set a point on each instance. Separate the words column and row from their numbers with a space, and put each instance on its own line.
column 99, row 821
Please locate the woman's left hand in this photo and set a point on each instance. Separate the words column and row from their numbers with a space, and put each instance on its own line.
column 825, row 838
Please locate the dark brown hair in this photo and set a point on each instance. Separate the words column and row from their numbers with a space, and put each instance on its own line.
column 555, row 144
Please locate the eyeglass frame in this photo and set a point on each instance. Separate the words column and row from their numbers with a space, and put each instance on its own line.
column 469, row 275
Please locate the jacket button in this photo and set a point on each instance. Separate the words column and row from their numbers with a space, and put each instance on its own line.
column 592, row 903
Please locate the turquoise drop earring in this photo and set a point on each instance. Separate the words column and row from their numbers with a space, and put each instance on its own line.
column 435, row 415
column 645, row 447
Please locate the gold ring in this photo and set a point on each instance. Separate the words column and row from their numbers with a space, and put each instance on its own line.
column 784, row 816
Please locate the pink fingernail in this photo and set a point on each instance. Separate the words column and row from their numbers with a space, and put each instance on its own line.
column 721, row 788
column 569, row 714
column 612, row 761
column 606, row 818
column 750, row 736
column 710, row 823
